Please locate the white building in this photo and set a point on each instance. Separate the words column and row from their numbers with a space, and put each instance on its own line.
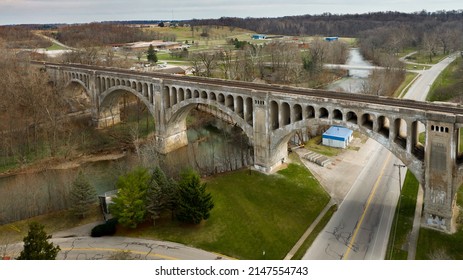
column 337, row 136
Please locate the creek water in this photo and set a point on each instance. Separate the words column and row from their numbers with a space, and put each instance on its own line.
column 354, row 82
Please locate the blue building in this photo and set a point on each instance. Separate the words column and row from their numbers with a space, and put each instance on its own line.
column 259, row 37
column 337, row 136
column 330, row 39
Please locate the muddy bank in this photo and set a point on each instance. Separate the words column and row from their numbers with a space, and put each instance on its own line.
column 62, row 163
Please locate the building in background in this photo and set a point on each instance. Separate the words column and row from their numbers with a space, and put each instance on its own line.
column 259, row 37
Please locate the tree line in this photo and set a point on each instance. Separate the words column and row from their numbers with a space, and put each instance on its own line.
column 19, row 37
column 33, row 120
column 327, row 24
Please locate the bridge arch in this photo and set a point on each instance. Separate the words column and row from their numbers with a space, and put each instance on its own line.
column 79, row 96
column 79, row 82
column 110, row 96
column 376, row 128
column 176, row 114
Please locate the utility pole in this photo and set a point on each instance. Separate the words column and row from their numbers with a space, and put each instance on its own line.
column 400, row 166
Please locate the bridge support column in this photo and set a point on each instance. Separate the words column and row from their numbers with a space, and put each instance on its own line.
column 268, row 155
column 169, row 136
column 107, row 116
column 441, row 180
column 266, row 158
column 166, row 143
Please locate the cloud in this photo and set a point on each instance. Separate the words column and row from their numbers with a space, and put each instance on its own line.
column 72, row 11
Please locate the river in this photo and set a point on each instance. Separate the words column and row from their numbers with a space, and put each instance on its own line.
column 356, row 79
column 215, row 148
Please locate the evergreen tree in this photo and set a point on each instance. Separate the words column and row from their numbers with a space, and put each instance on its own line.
column 194, row 203
column 161, row 194
column 155, row 201
column 151, row 54
column 36, row 245
column 82, row 195
column 172, row 196
column 129, row 207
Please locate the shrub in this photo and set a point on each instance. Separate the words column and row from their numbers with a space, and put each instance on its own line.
column 108, row 228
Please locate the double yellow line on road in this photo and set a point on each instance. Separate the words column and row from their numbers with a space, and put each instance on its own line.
column 372, row 194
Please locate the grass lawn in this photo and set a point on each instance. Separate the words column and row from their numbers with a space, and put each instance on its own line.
column 423, row 58
column 409, row 66
column 254, row 213
column 314, row 144
column 53, row 222
column 449, row 83
column 55, row 47
column 405, row 222
column 408, row 79
column 218, row 35
column 433, row 244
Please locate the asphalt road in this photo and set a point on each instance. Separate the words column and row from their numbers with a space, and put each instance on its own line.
column 361, row 226
column 115, row 247
column 76, row 244
column 419, row 90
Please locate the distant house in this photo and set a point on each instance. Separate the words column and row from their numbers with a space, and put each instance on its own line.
column 330, row 39
column 259, row 37
column 337, row 136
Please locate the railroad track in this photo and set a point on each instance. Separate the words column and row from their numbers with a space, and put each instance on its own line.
column 351, row 97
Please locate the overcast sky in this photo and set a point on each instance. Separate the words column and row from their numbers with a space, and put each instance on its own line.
column 78, row 11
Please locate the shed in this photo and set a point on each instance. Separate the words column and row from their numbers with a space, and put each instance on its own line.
column 259, row 37
column 331, row 39
column 337, row 136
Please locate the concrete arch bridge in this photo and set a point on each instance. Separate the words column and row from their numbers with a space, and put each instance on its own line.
column 270, row 115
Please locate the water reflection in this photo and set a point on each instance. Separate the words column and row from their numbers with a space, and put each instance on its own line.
column 215, row 148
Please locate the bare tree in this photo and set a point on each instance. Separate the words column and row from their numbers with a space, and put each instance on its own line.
column 204, row 63
column 430, row 45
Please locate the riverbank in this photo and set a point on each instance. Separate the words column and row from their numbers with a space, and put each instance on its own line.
column 55, row 163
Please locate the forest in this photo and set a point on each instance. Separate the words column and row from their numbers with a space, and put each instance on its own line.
column 345, row 25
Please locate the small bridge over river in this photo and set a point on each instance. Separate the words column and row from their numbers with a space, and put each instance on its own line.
column 270, row 115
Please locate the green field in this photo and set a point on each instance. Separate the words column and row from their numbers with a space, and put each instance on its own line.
column 449, row 84
column 256, row 216
column 433, row 244
column 314, row 145
column 55, row 47
column 423, row 58
column 409, row 77
column 405, row 219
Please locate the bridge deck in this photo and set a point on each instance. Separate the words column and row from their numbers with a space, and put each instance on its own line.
column 352, row 97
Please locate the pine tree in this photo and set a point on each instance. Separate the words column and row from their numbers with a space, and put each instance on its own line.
column 154, row 201
column 129, row 207
column 36, row 245
column 194, row 203
column 82, row 195
column 151, row 54
column 161, row 194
